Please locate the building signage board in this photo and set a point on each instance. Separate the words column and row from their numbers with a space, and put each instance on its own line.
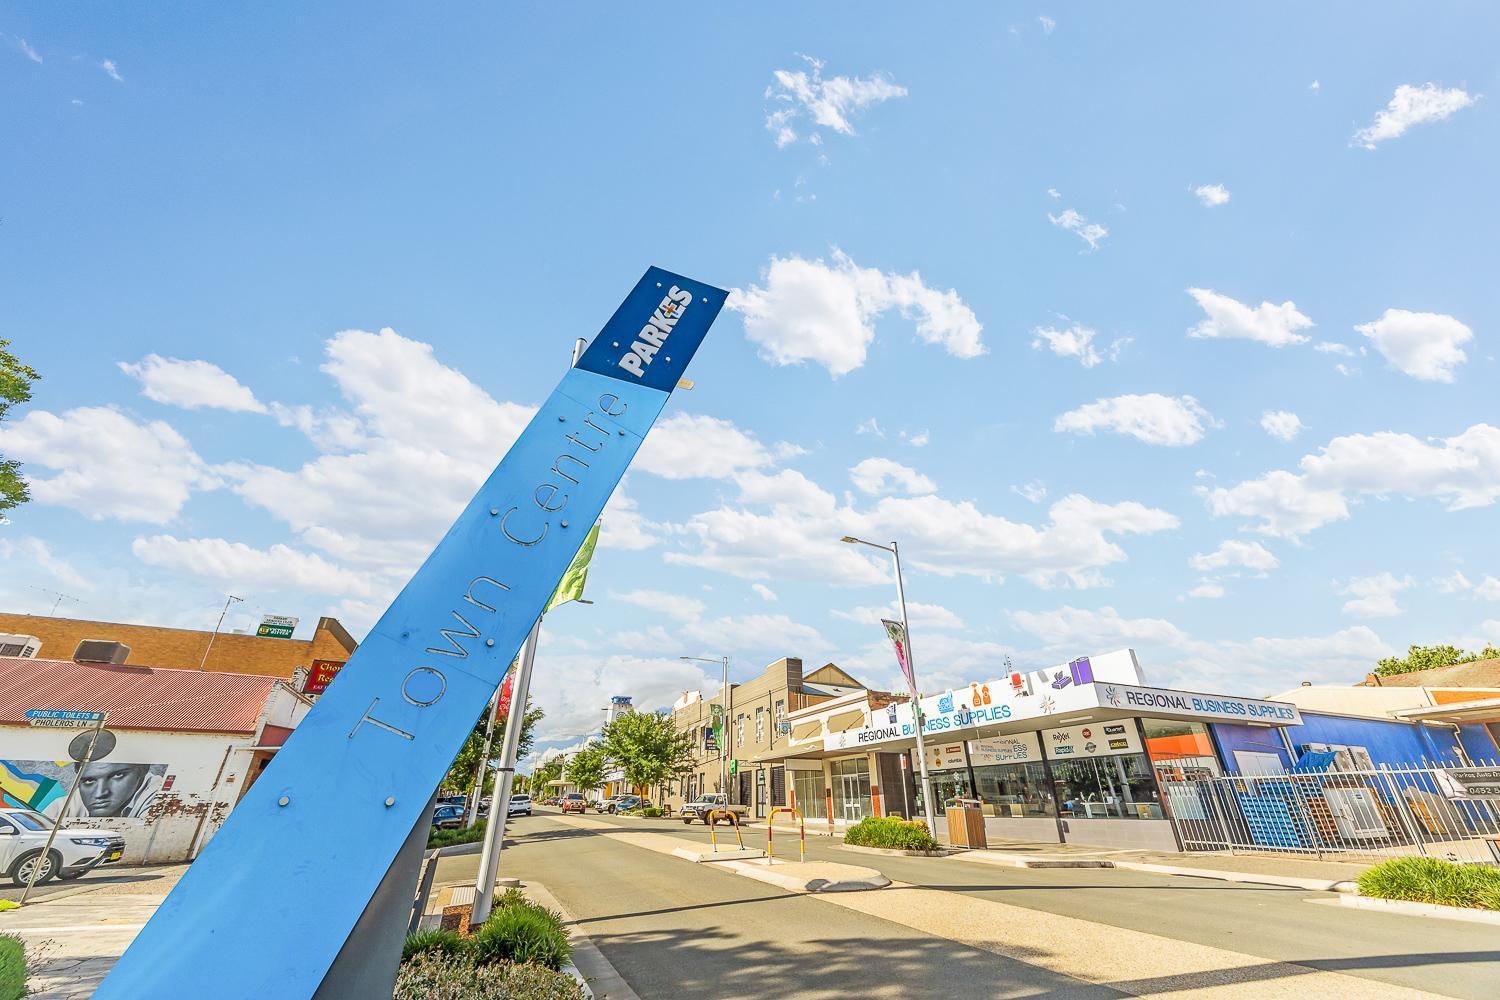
column 276, row 627
column 1017, row 749
column 59, row 718
column 1476, row 782
column 1119, row 666
column 1097, row 739
column 320, row 673
column 1215, row 707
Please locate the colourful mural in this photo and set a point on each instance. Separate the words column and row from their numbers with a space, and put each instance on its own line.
column 108, row 787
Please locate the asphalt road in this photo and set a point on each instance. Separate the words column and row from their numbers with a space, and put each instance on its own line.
column 110, row 875
column 674, row 929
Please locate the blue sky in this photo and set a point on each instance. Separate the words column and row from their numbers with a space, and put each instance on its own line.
column 1023, row 288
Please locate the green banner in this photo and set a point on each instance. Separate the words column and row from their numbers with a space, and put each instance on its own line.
column 570, row 587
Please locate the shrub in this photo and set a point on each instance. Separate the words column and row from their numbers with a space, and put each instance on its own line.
column 1428, row 880
column 434, row 976
column 891, row 832
column 644, row 812
column 522, row 932
column 12, row 967
column 447, row 838
column 439, row 941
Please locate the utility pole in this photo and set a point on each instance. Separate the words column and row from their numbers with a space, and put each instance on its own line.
column 220, row 624
column 723, row 734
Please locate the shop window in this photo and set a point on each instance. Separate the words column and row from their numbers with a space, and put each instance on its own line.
column 760, row 725
column 811, row 793
column 780, row 710
column 739, row 735
column 851, row 789
column 1113, row 787
column 1015, row 791
column 1180, row 751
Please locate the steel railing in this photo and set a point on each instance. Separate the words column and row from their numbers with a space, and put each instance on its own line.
column 1390, row 811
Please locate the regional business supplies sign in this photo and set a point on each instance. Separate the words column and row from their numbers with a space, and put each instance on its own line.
column 1179, row 704
column 1017, row 749
column 1097, row 739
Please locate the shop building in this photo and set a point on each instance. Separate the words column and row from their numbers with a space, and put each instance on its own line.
column 309, row 663
column 757, row 733
column 180, row 747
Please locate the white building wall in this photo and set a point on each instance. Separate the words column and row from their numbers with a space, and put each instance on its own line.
column 190, row 783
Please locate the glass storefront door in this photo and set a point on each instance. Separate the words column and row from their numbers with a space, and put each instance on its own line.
column 851, row 789
column 950, row 785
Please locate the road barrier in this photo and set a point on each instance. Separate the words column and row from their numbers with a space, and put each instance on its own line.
column 801, row 831
column 734, row 821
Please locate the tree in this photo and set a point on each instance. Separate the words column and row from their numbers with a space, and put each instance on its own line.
column 461, row 771
column 586, row 769
column 1430, row 657
column 648, row 748
column 16, row 380
column 545, row 773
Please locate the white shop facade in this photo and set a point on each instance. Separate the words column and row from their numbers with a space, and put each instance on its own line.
column 1076, row 753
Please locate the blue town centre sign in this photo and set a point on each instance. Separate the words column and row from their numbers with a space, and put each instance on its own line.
column 267, row 908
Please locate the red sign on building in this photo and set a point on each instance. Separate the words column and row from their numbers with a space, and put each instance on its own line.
column 320, row 674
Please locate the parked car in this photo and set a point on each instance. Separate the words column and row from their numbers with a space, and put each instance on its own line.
column 573, row 802
column 700, row 809
column 605, row 805
column 453, row 800
column 520, row 805
column 448, row 817
column 620, row 803
column 76, row 850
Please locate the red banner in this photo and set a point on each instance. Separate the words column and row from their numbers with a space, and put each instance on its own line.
column 503, row 712
column 320, row 674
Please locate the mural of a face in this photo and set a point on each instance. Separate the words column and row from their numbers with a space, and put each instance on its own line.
column 107, row 788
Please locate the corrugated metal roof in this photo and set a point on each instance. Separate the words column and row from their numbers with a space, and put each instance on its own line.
column 135, row 697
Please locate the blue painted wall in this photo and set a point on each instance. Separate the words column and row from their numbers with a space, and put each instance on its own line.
column 1478, row 744
column 1389, row 741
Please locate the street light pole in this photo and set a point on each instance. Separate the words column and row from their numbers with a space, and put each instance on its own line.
column 916, row 694
column 725, row 705
column 220, row 624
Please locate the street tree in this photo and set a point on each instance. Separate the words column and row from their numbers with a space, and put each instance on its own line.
column 586, row 769
column 16, row 380
column 461, row 772
column 1431, row 657
column 545, row 773
column 648, row 748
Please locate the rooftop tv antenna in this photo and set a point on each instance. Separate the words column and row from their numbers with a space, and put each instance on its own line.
column 60, row 598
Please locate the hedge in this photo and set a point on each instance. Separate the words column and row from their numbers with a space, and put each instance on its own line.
column 461, row 835
column 892, row 833
column 1428, row 880
column 432, row 976
column 517, row 930
column 12, row 967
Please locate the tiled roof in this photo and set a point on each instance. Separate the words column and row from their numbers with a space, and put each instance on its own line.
column 135, row 697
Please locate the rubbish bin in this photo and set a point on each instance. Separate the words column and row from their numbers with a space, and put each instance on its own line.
column 966, row 824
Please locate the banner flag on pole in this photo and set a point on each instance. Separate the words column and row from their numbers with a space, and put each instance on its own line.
column 897, row 633
column 570, row 587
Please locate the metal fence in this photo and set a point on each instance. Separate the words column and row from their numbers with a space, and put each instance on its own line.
column 1381, row 813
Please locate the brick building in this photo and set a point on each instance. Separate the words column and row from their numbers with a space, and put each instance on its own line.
column 180, row 648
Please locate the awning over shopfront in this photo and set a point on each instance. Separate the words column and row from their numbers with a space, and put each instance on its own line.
column 1456, row 712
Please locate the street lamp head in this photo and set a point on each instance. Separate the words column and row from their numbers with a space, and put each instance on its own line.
column 582, row 600
column 850, row 539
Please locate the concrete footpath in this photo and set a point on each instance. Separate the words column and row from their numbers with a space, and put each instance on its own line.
column 75, row 935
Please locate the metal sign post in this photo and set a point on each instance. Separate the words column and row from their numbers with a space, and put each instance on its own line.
column 62, row 814
column 298, row 863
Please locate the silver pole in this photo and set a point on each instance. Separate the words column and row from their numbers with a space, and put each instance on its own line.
column 62, row 814
column 724, row 735
column 494, row 833
column 916, row 699
column 479, row 775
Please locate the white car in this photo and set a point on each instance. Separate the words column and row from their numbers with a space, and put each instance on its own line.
column 520, row 805
column 76, row 851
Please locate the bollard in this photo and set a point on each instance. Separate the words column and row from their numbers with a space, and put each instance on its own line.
column 801, row 831
column 734, row 821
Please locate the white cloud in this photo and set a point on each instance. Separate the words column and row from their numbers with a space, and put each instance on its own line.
column 830, row 103
column 1032, row 492
column 813, row 311
column 1413, row 106
column 1152, row 418
column 1208, row 590
column 1232, row 553
column 1488, row 589
column 1266, row 323
column 786, row 526
column 1281, row 424
column 769, row 636
column 763, row 592
column 1269, row 665
column 1463, row 471
column 870, row 426
column 1212, row 195
column 1333, row 347
column 1047, row 24
column 31, row 552
column 191, row 385
column 112, row 70
column 1315, row 86
column 918, row 439
column 624, row 527
column 923, row 616
column 1374, row 596
column 689, row 446
column 1054, row 193
column 1077, row 341
column 664, row 603
column 107, row 464
column 1087, row 631
column 1091, row 233
column 881, row 476
column 246, row 569
column 1427, row 346
column 28, row 51
column 1452, row 584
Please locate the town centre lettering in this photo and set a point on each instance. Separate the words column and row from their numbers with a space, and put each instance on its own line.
column 424, row 685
